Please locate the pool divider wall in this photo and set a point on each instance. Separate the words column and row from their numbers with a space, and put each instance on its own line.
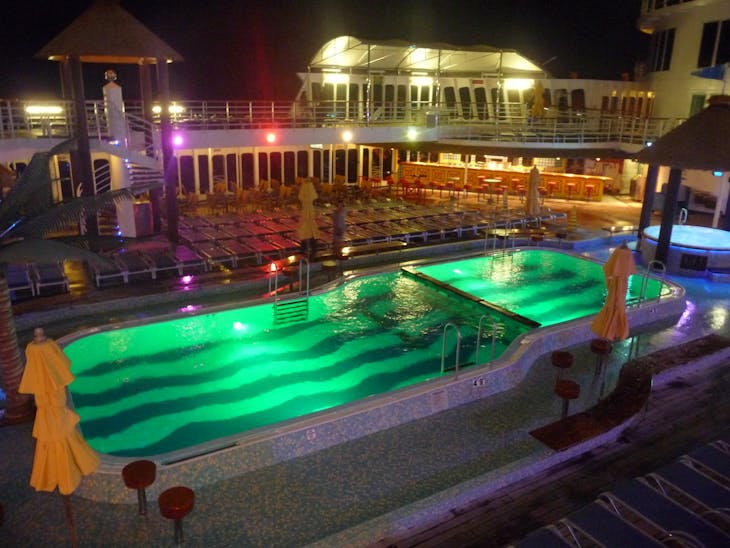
column 333, row 427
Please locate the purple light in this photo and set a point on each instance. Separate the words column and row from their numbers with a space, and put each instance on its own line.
column 177, row 140
column 186, row 279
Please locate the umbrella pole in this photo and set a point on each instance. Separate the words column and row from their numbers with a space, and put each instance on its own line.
column 70, row 519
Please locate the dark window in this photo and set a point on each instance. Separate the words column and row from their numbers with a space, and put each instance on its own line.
column 514, row 104
column 660, row 50
column 723, row 44
column 498, row 103
column 465, row 98
column 340, row 162
column 707, row 44
column 64, row 173
column 366, row 162
column 247, row 172
column 317, row 164
column 302, row 163
column 450, row 98
column 578, row 100
column 325, row 166
column 275, row 160
column 203, row 175
column 187, row 174
column 219, row 169
column 231, row 172
column 263, row 166
column 480, row 99
column 401, row 101
column 604, row 103
column 289, row 170
column 354, row 101
column 352, row 165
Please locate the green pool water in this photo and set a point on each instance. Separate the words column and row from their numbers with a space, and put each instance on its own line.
column 173, row 384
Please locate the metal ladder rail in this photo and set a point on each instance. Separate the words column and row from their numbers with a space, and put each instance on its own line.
column 458, row 347
column 652, row 266
column 479, row 337
column 302, row 272
column 275, row 271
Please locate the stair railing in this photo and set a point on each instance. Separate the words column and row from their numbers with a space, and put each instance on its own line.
column 458, row 348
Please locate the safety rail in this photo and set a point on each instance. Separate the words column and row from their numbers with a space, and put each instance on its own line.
column 652, row 266
column 55, row 119
column 480, row 330
column 458, row 348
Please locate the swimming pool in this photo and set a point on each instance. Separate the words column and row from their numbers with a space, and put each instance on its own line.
column 160, row 387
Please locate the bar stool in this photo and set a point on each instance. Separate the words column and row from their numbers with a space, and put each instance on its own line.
column 551, row 187
column 570, row 189
column 521, row 192
column 139, row 475
column 589, row 191
column 176, row 503
column 567, row 390
column 562, row 360
column 542, row 192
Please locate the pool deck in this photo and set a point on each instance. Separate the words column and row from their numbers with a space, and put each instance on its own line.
column 471, row 475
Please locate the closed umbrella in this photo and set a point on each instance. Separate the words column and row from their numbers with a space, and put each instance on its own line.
column 62, row 456
column 307, row 228
column 538, row 102
column 532, row 202
column 611, row 322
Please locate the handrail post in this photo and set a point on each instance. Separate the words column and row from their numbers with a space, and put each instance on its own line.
column 479, row 337
column 458, row 347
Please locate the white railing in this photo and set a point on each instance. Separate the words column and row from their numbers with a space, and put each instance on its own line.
column 453, row 121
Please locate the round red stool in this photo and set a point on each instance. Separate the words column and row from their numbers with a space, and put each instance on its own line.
column 567, row 390
column 176, row 503
column 551, row 187
column 562, row 360
column 589, row 191
column 570, row 189
column 139, row 475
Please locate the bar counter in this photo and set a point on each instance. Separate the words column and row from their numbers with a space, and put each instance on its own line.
column 555, row 185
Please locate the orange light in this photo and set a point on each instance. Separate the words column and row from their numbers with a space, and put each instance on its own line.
column 271, row 138
column 272, row 267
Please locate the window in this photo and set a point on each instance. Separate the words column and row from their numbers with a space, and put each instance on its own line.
column 247, row 171
column 302, row 163
column 660, row 50
column 231, row 173
column 480, row 96
column 187, row 174
column 715, row 44
column 203, row 174
column 465, row 98
column 289, row 169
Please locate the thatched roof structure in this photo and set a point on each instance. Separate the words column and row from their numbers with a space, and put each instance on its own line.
column 107, row 33
column 699, row 143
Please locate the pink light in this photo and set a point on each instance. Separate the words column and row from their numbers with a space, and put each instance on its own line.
column 177, row 140
column 187, row 279
column 271, row 138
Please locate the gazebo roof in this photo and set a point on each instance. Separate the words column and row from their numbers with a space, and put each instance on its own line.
column 107, row 33
column 348, row 52
column 699, row 143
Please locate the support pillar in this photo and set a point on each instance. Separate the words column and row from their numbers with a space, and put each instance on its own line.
column 668, row 215
column 647, row 205
column 168, row 161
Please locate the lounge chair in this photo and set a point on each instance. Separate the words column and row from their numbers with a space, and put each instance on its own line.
column 108, row 273
column 710, row 460
column 545, row 537
column 19, row 280
column 46, row 275
column 604, row 527
column 656, row 510
column 163, row 262
column 241, row 252
column 134, row 266
column 690, row 487
column 190, row 262
column 215, row 254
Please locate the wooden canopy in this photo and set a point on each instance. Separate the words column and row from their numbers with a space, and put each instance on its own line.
column 107, row 33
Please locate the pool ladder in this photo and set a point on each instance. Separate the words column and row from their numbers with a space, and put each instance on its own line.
column 292, row 310
column 480, row 330
column 652, row 266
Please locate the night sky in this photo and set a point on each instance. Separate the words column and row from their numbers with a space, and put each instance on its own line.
column 250, row 49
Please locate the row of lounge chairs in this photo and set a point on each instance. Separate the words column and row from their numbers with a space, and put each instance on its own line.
column 685, row 503
column 33, row 279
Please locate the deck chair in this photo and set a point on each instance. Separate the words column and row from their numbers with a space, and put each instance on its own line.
column 163, row 262
column 710, row 460
column 189, row 261
column 603, row 526
column 19, row 280
column 241, row 252
column 678, row 481
column 108, row 273
column 134, row 266
column 650, row 506
column 216, row 255
column 545, row 537
column 49, row 275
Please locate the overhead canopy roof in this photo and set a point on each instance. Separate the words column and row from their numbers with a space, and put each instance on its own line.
column 107, row 33
column 348, row 52
column 699, row 143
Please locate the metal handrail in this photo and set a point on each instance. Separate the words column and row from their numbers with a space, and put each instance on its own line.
column 651, row 266
column 458, row 347
column 302, row 262
column 479, row 337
